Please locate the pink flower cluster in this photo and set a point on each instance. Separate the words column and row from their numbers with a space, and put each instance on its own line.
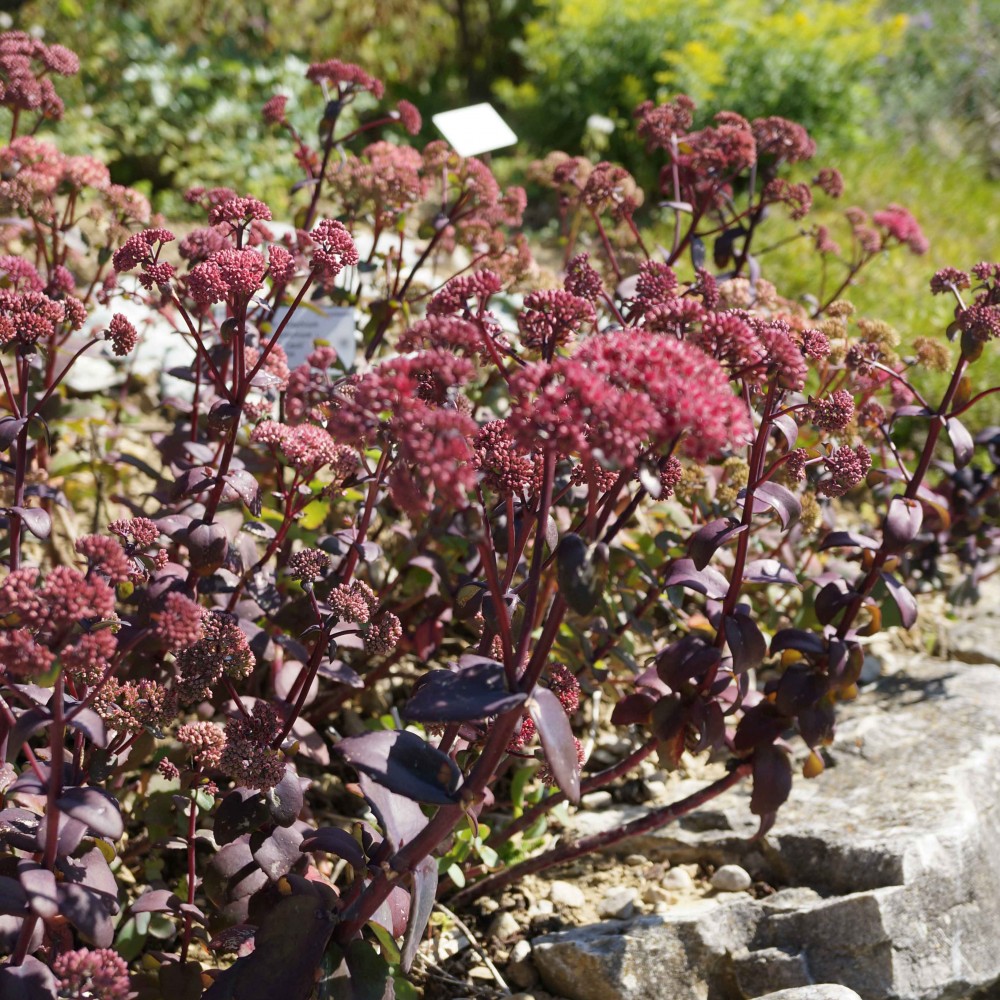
column 25, row 63
column 623, row 394
column 85, row 972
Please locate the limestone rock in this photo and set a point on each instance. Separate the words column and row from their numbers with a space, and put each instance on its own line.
column 821, row 992
column 618, row 903
column 889, row 857
column 566, row 894
column 731, row 878
column 520, row 970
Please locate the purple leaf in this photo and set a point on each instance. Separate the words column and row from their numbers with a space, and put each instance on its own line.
column 31, row 980
column 710, row 537
column 425, row 880
column 772, row 782
column 687, row 659
column 156, row 901
column 961, row 441
column 799, row 639
column 903, row 599
column 96, row 808
column 288, row 949
column 40, row 885
column 789, row 429
column 405, row 764
column 769, row 571
column 277, row 853
column 88, row 722
column 471, row 692
column 69, row 833
column 332, row 840
column 684, row 573
column 36, row 520
column 581, row 570
column 746, row 643
column 247, row 488
column 632, row 710
column 241, row 811
column 10, row 427
column 910, row 411
column 13, row 898
column 902, row 523
column 88, row 912
column 19, row 829
column 401, row 817
column 848, row 540
column 312, row 746
column 340, row 673
column 285, row 800
column 831, row 599
column 780, row 499
column 557, row 739
column 28, row 723
column 233, row 874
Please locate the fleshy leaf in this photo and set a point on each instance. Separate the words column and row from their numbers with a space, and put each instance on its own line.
column 96, row 808
column 781, row 500
column 581, row 570
column 405, row 764
column 710, row 582
column 769, row 571
column 425, row 880
column 710, row 537
column 848, row 540
column 772, row 782
column 332, row 840
column 31, row 980
column 247, row 488
column 902, row 523
column 475, row 691
column 903, row 599
column 35, row 519
column 961, row 441
column 557, row 739
column 746, row 642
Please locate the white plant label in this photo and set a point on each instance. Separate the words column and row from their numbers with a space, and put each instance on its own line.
column 474, row 130
column 335, row 325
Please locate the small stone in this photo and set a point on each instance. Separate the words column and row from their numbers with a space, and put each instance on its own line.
column 520, row 970
column 618, row 903
column 636, row 860
column 504, row 926
column 657, row 789
column 480, row 972
column 731, row 878
column 566, row 894
column 596, row 800
column 543, row 908
column 487, row 905
column 677, row 880
column 654, row 894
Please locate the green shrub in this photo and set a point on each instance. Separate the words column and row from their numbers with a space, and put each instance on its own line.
column 816, row 62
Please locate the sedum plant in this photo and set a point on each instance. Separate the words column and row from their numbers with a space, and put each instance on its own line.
column 348, row 606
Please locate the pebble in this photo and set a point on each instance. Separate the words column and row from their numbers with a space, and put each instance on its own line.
column 566, row 894
column 677, row 880
column 596, row 800
column 635, row 860
column 657, row 789
column 653, row 894
column 487, row 905
column 543, row 908
column 504, row 926
column 480, row 972
column 520, row 970
column 731, row 878
column 618, row 903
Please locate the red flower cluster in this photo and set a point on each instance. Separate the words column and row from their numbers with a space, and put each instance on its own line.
column 348, row 78
column 624, row 393
column 248, row 757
